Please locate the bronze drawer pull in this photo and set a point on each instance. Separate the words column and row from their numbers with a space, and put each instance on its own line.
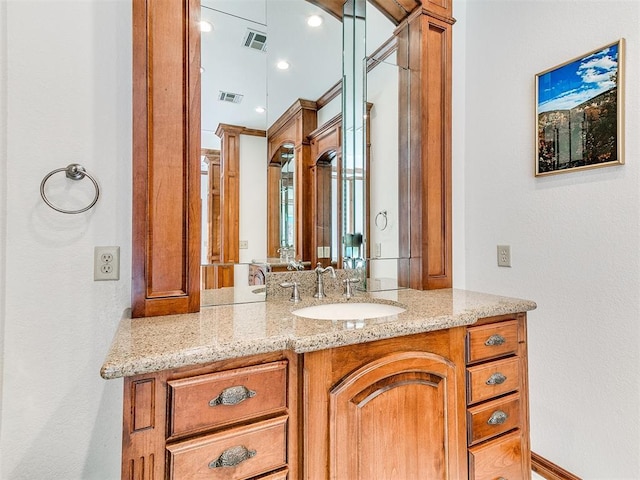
column 232, row 396
column 496, row 379
column 232, row 456
column 497, row 418
column 495, row 340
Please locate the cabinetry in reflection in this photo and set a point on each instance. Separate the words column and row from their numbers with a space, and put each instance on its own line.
column 497, row 399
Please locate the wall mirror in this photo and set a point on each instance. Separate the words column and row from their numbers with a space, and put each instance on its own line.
column 277, row 185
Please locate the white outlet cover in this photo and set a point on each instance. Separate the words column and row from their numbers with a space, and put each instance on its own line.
column 106, row 263
column 504, row 255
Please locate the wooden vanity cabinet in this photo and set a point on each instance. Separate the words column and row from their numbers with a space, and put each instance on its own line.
column 497, row 399
column 234, row 419
column 448, row 404
column 387, row 409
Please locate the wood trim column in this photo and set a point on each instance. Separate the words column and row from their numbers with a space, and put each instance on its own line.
column 273, row 209
column 166, row 164
column 424, row 48
column 229, row 192
column 213, row 204
column 143, row 427
column 294, row 126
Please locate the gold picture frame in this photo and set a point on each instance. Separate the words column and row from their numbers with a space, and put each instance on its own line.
column 580, row 112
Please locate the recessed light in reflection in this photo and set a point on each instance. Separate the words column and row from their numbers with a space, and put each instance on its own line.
column 282, row 65
column 261, row 109
column 314, row 20
column 205, row 26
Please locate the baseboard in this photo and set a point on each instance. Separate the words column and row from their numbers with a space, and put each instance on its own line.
column 549, row 470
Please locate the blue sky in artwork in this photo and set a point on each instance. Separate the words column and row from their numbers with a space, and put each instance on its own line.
column 577, row 82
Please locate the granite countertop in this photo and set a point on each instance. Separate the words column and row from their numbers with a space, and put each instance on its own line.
column 151, row 344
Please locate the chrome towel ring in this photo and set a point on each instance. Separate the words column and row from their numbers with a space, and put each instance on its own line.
column 381, row 220
column 74, row 171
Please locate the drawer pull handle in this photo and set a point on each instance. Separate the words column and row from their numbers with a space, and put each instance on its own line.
column 497, row 418
column 496, row 379
column 232, row 396
column 495, row 340
column 232, row 457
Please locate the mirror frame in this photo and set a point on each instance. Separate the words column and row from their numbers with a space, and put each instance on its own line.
column 166, row 149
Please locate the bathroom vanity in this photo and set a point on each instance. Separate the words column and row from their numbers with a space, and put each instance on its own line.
column 251, row 390
column 255, row 391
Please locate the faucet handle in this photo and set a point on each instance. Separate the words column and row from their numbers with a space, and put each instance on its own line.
column 348, row 282
column 295, row 292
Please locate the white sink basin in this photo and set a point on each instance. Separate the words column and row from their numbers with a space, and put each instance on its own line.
column 348, row 311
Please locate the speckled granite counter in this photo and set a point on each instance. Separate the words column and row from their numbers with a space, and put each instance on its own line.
column 145, row 345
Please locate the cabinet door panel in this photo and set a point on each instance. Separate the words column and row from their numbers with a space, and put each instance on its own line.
column 389, row 420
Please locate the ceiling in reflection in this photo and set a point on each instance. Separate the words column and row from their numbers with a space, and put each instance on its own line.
column 312, row 53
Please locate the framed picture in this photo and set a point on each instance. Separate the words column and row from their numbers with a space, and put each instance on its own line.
column 579, row 112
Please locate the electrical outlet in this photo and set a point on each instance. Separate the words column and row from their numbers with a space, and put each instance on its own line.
column 106, row 263
column 244, row 244
column 504, row 255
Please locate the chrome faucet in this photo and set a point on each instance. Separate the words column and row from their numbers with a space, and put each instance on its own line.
column 319, row 282
column 295, row 265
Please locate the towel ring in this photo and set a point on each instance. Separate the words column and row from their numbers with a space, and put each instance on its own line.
column 74, row 171
column 382, row 214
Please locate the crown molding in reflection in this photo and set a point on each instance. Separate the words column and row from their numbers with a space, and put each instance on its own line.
column 394, row 10
column 238, row 130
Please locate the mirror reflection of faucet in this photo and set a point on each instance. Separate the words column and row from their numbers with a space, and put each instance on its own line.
column 287, row 253
column 295, row 265
column 358, row 265
column 319, row 281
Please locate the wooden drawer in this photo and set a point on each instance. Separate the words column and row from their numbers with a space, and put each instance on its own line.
column 499, row 458
column 490, row 341
column 492, row 379
column 223, row 398
column 251, row 450
column 493, row 418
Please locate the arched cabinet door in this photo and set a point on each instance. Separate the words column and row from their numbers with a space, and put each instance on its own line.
column 393, row 418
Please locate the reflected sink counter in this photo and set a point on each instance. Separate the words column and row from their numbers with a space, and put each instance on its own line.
column 151, row 344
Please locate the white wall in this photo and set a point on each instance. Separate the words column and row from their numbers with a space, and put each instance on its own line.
column 382, row 91
column 3, row 190
column 574, row 237
column 66, row 94
column 253, row 195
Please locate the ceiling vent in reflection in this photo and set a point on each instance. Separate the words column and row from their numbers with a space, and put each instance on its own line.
column 255, row 40
column 230, row 97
